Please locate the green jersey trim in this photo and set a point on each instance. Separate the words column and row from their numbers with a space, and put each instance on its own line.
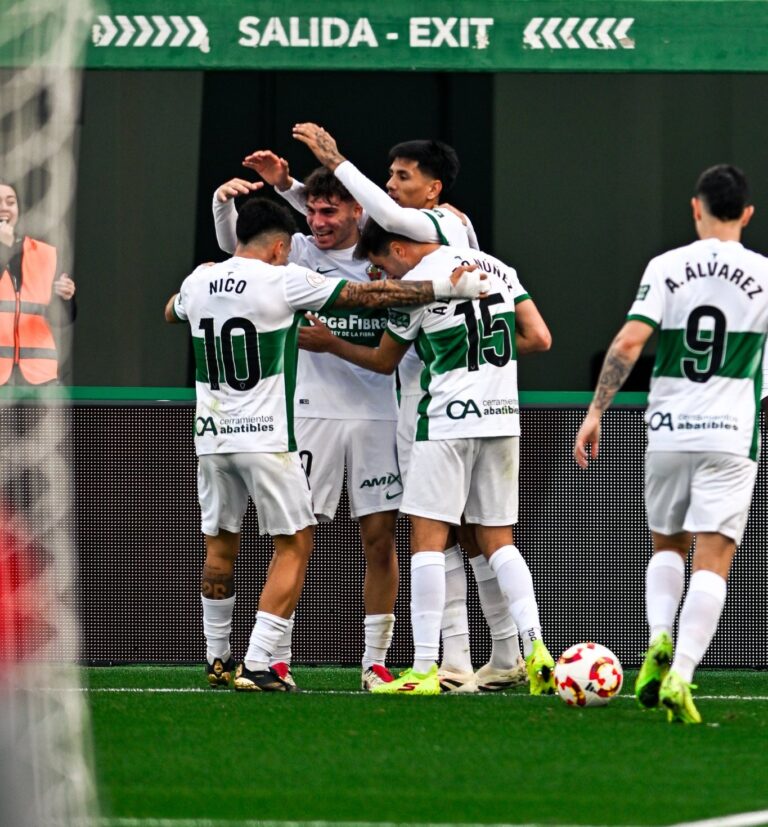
column 426, row 354
column 522, row 298
column 335, row 295
column 754, row 448
column 636, row 317
column 175, row 314
column 291, row 361
column 399, row 339
column 443, row 239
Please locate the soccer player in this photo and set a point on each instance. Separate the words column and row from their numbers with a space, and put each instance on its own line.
column 709, row 302
column 467, row 437
column 421, row 172
column 244, row 314
column 345, row 415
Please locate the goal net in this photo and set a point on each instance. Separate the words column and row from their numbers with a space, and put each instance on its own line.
column 45, row 766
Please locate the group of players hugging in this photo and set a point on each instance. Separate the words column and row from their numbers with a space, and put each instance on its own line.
column 297, row 338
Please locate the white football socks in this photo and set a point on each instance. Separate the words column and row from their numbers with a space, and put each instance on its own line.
column 217, row 626
column 664, row 579
column 454, row 627
column 505, row 650
column 699, row 617
column 283, row 653
column 378, row 637
column 516, row 585
column 265, row 638
column 427, row 602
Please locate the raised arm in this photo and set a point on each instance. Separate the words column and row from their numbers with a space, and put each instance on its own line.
column 378, row 205
column 275, row 171
column 381, row 359
column 622, row 355
column 224, row 212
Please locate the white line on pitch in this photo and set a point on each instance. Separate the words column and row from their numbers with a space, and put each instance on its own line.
column 754, row 819
column 360, row 693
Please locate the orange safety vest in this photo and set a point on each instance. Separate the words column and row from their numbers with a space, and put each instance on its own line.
column 26, row 339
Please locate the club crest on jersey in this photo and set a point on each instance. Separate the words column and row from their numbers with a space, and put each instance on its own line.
column 316, row 279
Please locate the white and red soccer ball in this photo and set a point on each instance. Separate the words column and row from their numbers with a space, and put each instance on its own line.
column 588, row 674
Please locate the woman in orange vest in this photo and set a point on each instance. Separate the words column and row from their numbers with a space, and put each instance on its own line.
column 27, row 285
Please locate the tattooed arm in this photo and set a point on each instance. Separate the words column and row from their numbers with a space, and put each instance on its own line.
column 322, row 144
column 624, row 351
column 465, row 282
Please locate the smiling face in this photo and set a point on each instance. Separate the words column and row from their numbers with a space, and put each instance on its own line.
column 333, row 222
column 409, row 186
column 9, row 205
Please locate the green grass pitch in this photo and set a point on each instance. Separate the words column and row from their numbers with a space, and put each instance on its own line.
column 166, row 751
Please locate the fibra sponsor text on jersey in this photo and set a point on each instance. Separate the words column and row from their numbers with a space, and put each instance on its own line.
column 714, row 269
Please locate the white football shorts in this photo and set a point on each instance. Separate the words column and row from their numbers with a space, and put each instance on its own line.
column 407, row 418
column 474, row 477
column 367, row 448
column 275, row 482
column 696, row 491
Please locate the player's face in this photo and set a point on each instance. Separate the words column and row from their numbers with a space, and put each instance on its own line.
column 409, row 186
column 392, row 264
column 9, row 205
column 333, row 222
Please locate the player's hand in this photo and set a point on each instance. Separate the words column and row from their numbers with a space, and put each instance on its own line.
column 316, row 338
column 235, row 187
column 467, row 283
column 64, row 287
column 321, row 142
column 6, row 233
column 458, row 213
column 273, row 169
column 589, row 434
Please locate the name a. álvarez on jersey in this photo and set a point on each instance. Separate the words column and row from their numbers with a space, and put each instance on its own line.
column 715, row 269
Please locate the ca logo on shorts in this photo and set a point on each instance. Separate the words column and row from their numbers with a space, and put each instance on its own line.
column 205, row 424
column 661, row 420
column 459, row 409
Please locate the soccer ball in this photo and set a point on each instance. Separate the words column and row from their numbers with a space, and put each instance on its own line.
column 588, row 674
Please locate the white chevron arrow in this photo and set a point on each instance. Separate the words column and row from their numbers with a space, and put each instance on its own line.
column 163, row 30
column 567, row 33
column 200, row 37
column 182, row 30
column 104, row 31
column 603, row 36
column 576, row 33
column 621, row 33
column 530, row 38
column 146, row 30
column 128, row 30
column 584, row 32
column 548, row 32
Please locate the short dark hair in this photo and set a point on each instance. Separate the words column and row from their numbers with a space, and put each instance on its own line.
column 259, row 216
column 433, row 157
column 322, row 183
column 724, row 190
column 375, row 240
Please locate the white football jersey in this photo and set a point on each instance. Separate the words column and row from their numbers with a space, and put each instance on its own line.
column 328, row 387
column 452, row 232
column 436, row 225
column 467, row 348
column 709, row 301
column 244, row 317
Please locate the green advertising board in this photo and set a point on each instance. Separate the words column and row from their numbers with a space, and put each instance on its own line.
column 463, row 35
